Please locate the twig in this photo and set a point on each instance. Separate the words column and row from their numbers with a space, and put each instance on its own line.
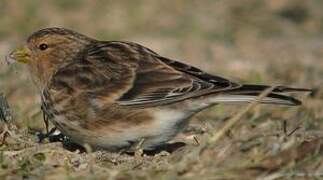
column 293, row 131
column 213, row 139
column 138, row 148
column 4, row 135
column 7, row 59
column 138, row 165
column 285, row 129
column 196, row 140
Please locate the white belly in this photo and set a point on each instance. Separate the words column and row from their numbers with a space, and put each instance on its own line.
column 167, row 124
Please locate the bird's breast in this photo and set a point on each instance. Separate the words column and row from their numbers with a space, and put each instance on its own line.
column 113, row 127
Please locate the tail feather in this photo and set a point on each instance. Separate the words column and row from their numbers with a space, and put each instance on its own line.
column 258, row 88
column 270, row 99
column 249, row 93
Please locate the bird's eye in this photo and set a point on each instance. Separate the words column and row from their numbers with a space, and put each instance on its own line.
column 43, row 46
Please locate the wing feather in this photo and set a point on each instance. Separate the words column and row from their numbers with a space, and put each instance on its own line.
column 133, row 75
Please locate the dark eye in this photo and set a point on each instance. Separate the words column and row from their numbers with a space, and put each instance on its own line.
column 43, row 47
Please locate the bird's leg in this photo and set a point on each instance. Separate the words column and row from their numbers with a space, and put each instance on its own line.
column 45, row 118
column 43, row 136
column 53, row 135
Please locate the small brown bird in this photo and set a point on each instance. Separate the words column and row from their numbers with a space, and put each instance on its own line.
column 112, row 94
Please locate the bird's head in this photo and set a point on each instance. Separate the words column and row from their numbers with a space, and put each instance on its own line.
column 49, row 48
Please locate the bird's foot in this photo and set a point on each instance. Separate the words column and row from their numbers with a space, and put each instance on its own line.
column 54, row 135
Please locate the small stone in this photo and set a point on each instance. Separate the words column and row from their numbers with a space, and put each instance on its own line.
column 5, row 112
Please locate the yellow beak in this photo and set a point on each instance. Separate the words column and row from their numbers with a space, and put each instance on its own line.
column 21, row 55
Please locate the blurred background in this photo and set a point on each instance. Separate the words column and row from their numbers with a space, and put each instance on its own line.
column 270, row 42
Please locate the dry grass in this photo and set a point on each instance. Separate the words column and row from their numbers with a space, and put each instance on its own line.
column 271, row 41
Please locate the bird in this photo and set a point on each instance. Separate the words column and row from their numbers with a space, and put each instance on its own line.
column 113, row 94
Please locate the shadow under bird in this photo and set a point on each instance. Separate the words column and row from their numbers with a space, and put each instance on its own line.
column 112, row 94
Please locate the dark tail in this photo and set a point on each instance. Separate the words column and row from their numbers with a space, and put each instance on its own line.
column 249, row 92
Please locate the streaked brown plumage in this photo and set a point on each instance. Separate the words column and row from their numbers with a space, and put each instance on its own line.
column 111, row 94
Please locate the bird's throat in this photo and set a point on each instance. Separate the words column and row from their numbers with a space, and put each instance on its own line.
column 41, row 73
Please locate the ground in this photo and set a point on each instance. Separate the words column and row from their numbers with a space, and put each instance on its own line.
column 275, row 42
